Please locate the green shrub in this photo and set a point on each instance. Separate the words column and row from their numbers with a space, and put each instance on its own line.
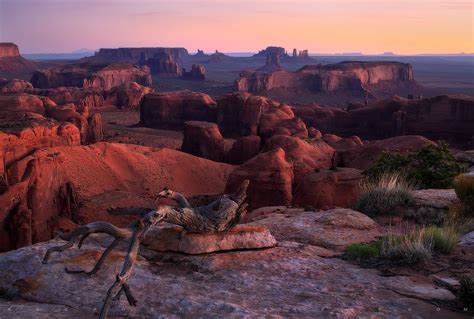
column 362, row 252
column 466, row 291
column 384, row 195
column 464, row 187
column 443, row 239
column 434, row 166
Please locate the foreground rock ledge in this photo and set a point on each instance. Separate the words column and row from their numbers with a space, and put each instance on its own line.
column 284, row 281
column 169, row 237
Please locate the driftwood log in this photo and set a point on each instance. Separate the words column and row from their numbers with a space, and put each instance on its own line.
column 220, row 215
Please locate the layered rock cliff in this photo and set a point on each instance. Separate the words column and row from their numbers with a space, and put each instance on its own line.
column 362, row 77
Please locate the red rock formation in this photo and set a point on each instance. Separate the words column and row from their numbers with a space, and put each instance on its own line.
column 53, row 78
column 271, row 50
column 203, row 139
column 11, row 61
column 118, row 74
column 197, row 72
column 314, row 133
column 39, row 196
column 78, row 96
column 444, row 117
column 14, row 86
column 15, row 106
column 8, row 50
column 244, row 149
column 306, row 156
column 95, row 130
column 172, row 109
column 328, row 188
column 128, row 95
column 241, row 114
column 345, row 76
column 271, row 178
column 272, row 64
column 104, row 175
column 163, row 63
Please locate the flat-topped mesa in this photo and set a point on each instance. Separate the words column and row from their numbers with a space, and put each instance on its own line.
column 9, row 50
column 271, row 50
column 353, row 76
column 11, row 61
column 135, row 55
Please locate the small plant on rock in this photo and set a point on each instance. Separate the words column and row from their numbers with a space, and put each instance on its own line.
column 464, row 187
column 384, row 195
column 363, row 252
column 443, row 239
column 406, row 249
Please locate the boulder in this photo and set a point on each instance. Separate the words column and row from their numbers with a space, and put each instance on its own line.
column 314, row 133
column 127, row 95
column 173, row 238
column 328, row 188
column 244, row 149
column 171, row 110
column 333, row 229
column 203, row 139
column 271, row 178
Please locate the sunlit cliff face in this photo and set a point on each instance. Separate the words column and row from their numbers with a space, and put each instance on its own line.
column 369, row 26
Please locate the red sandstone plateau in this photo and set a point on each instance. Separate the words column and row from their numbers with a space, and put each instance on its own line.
column 249, row 188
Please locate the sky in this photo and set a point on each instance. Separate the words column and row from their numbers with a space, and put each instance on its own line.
column 321, row 26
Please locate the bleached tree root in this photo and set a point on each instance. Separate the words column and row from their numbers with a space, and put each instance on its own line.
column 222, row 214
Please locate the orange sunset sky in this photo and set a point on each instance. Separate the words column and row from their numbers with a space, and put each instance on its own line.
column 322, row 26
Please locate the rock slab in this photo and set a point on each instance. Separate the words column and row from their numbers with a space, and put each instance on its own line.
column 173, row 238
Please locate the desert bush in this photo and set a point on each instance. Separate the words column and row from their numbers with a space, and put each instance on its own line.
column 434, row 166
column 464, row 187
column 406, row 249
column 466, row 291
column 443, row 239
column 362, row 252
column 427, row 215
column 384, row 195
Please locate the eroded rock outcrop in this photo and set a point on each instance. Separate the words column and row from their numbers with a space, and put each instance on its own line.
column 242, row 114
column 271, row 178
column 39, row 196
column 127, row 95
column 53, row 78
column 163, row 63
column 306, row 156
column 444, row 117
column 197, row 72
column 172, row 109
column 203, row 139
column 328, row 188
column 118, row 74
column 14, row 86
column 244, row 149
